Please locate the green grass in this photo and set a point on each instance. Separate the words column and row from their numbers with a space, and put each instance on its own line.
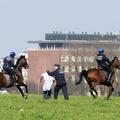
column 14, row 107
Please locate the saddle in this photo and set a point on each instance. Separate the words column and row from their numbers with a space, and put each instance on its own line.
column 104, row 72
column 12, row 79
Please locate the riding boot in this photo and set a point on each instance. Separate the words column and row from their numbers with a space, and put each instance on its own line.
column 13, row 80
column 109, row 78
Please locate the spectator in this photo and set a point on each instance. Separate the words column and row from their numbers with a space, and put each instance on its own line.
column 47, row 85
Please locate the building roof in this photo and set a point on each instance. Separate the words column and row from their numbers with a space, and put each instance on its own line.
column 81, row 36
column 76, row 41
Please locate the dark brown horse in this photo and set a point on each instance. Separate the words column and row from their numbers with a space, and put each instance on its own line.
column 5, row 81
column 96, row 77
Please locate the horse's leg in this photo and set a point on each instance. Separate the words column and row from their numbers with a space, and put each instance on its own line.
column 19, row 88
column 95, row 91
column 111, row 89
column 94, row 86
column 26, row 90
column 92, row 89
column 90, row 86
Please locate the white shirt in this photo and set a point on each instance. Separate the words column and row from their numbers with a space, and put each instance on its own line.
column 48, row 81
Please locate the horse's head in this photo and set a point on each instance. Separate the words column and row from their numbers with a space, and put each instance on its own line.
column 115, row 63
column 22, row 62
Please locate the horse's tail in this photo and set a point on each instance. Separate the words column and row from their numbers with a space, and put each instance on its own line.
column 84, row 74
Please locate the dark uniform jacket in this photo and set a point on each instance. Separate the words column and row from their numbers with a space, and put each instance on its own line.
column 59, row 76
column 102, row 59
column 8, row 64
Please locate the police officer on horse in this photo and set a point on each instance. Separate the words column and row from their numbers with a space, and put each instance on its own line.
column 104, row 62
column 59, row 76
column 9, row 66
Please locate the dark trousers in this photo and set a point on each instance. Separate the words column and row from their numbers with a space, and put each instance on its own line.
column 47, row 94
column 106, row 68
column 10, row 72
column 64, row 90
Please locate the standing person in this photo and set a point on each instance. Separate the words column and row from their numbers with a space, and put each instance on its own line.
column 48, row 81
column 9, row 66
column 60, row 82
column 104, row 62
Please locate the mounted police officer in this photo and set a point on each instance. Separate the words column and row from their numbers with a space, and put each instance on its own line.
column 104, row 62
column 59, row 76
column 8, row 66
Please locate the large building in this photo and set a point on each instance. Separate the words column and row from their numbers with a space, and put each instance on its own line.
column 73, row 55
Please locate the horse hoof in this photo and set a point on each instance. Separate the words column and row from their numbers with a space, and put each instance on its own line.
column 95, row 97
column 26, row 96
column 106, row 98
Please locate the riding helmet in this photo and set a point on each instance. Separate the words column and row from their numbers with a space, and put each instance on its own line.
column 12, row 54
column 101, row 50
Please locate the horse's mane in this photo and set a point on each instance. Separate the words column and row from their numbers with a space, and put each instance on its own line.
column 113, row 60
column 18, row 60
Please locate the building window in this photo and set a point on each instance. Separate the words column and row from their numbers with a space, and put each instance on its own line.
column 72, row 69
column 66, row 68
column 65, row 58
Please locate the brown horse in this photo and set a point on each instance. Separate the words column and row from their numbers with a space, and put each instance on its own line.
column 96, row 77
column 5, row 81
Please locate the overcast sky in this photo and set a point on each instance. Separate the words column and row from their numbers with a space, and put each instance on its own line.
column 23, row 20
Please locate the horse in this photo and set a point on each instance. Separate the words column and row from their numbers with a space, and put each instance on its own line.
column 96, row 76
column 5, row 81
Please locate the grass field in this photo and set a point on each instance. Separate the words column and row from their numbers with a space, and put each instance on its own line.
column 14, row 107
